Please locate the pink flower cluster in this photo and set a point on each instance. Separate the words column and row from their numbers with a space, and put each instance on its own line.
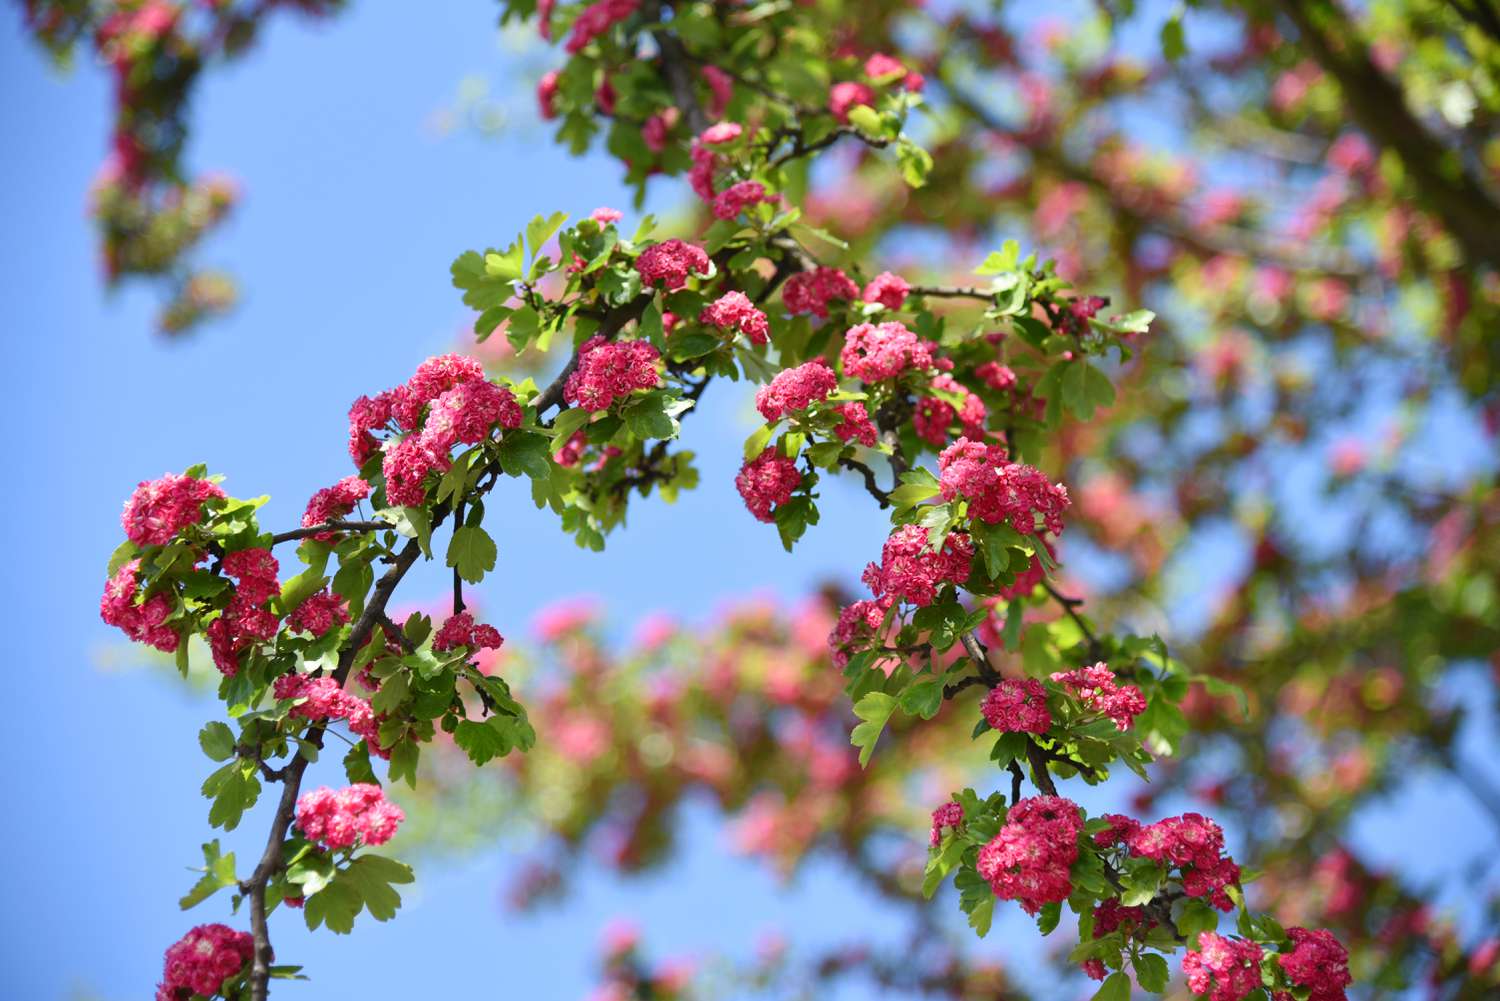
column 846, row 94
column 890, row 290
column 795, row 389
column 159, row 509
column 333, row 503
column 735, row 311
column 1075, row 318
column 670, row 262
column 1095, row 687
column 318, row 613
column 812, row 291
column 611, row 370
column 1017, row 705
column 996, row 376
column 1000, row 490
column 910, row 570
column 461, row 630
column 246, row 620
column 934, row 415
column 1028, row 860
column 546, row 95
column 357, row 815
column 597, row 19
column 767, row 481
column 947, row 815
column 1317, row 961
column 1223, row 969
column 854, row 423
column 200, row 962
column 733, row 200
column 877, row 352
column 857, row 622
column 1191, row 842
column 461, row 405
column 325, row 700
column 144, row 623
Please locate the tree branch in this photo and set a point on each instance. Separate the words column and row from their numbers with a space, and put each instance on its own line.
column 331, row 526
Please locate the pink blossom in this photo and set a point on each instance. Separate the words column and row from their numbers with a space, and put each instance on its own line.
column 367, row 415
column 701, row 174
column 999, row 490
column 1095, row 687
column 1222, row 969
column 854, row 423
column 767, row 481
column 1028, row 860
column 597, row 19
column 356, row 815
column 654, row 132
column 145, row 622
column 846, row 94
column 1317, row 960
column 934, row 415
column 811, row 291
column 890, row 290
column 159, row 509
column 857, row 622
column 461, row 631
column 721, row 84
column 910, row 570
column 333, row 503
column 609, row 371
column 200, row 962
column 877, row 352
column 670, row 263
column 734, row 311
column 795, row 389
column 405, row 468
column 1017, row 705
column 733, row 200
column 720, row 133
column 546, row 95
column 882, row 68
column 1195, row 844
column 319, row 613
column 606, row 216
column 997, row 376
column 948, row 815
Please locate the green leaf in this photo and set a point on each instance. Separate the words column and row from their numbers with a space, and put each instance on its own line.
column 523, row 452
column 218, row 872
column 539, row 230
column 372, row 876
column 923, row 698
column 1173, row 42
column 915, row 163
column 758, row 440
column 981, row 916
column 875, row 709
column 566, row 424
column 1116, row 987
column 648, row 419
column 335, row 905
column 217, row 741
column 471, row 552
column 867, row 120
column 1152, row 972
column 233, row 790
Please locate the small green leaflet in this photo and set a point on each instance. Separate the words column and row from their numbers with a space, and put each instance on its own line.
column 471, row 552
column 218, row 872
column 875, row 709
column 217, row 741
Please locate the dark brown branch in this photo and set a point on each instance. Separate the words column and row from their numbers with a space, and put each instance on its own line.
column 882, row 497
column 1071, row 606
column 331, row 526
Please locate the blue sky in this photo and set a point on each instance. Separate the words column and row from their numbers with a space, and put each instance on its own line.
column 354, row 207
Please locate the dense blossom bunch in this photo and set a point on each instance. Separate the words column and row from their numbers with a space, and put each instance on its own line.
column 1223, row 969
column 246, row 620
column 934, row 415
column 1017, row 705
column 611, row 370
column 200, row 961
column 997, row 376
column 890, row 290
column 1317, row 961
column 332, row 503
column 144, row 622
column 159, row 509
column 876, row 352
column 319, row 613
column 324, row 699
column 795, row 389
column 735, row 311
column 1195, row 844
column 846, row 94
column 947, row 815
column 911, row 570
column 739, row 196
column 366, row 416
column 1000, row 490
column 855, row 424
column 1096, row 688
column 670, row 262
column 812, row 291
column 1028, row 860
column 356, row 815
column 596, row 19
column 460, row 630
column 767, row 481
column 857, row 622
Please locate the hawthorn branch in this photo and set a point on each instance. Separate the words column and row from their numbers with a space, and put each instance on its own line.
column 1071, row 606
column 882, row 497
column 330, row 526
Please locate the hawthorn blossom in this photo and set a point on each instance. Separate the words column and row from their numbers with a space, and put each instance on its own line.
column 246, row 619
column 1195, row 844
column 1000, row 490
column 996, row 376
column 721, row 133
column 812, row 291
column 766, row 482
column 1095, row 687
column 878, row 352
column 854, row 423
column 795, row 389
column 356, row 815
column 947, row 815
column 159, row 509
column 733, row 200
column 595, row 20
column 1318, row 961
column 1222, row 969
column 734, row 311
column 200, row 961
column 318, row 613
column 546, row 95
column 1028, row 860
column 144, row 622
column 846, row 94
column 461, row 630
column 670, row 262
column 910, row 570
column 935, row 415
column 857, row 622
column 333, row 503
column 605, row 216
column 721, row 84
column 609, row 371
column 1017, row 705
column 890, row 290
